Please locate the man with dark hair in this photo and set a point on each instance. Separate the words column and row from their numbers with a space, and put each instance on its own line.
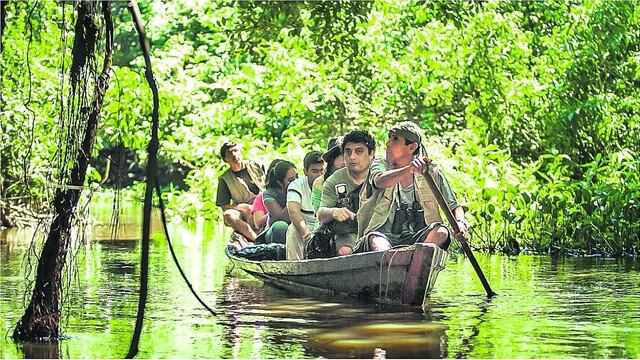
column 237, row 188
column 301, row 212
column 398, row 206
column 340, row 192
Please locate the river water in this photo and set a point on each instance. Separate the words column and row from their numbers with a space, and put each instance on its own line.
column 547, row 308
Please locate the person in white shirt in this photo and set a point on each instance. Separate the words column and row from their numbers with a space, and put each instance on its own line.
column 301, row 211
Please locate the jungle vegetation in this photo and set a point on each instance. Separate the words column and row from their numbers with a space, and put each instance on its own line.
column 532, row 108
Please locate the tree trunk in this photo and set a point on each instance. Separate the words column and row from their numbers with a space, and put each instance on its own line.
column 41, row 321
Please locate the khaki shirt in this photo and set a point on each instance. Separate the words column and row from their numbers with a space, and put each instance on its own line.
column 376, row 204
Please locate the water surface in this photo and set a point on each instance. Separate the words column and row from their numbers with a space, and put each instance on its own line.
column 547, row 308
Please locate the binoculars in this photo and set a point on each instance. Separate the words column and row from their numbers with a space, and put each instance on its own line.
column 408, row 219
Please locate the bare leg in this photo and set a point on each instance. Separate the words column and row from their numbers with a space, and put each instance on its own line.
column 233, row 219
column 248, row 218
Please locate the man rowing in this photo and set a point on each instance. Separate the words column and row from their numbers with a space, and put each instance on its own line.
column 397, row 206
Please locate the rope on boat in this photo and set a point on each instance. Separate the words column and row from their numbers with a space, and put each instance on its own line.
column 380, row 274
column 386, row 291
column 233, row 266
column 173, row 254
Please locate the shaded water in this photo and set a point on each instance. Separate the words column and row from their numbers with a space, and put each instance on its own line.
column 567, row 307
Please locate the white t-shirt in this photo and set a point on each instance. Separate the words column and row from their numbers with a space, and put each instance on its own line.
column 300, row 192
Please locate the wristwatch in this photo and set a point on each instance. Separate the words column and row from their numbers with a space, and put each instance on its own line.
column 464, row 222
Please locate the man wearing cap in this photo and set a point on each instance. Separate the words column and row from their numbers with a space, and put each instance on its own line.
column 340, row 192
column 237, row 188
column 301, row 212
column 397, row 206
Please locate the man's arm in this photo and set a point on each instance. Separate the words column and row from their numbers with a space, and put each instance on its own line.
column 390, row 178
column 295, row 213
column 458, row 214
column 327, row 211
column 245, row 208
column 276, row 211
column 326, row 214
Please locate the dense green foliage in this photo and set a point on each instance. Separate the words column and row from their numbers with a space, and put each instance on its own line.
column 531, row 107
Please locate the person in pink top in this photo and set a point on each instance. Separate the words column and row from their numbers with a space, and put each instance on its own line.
column 259, row 213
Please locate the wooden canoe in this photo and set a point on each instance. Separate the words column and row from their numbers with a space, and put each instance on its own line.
column 403, row 275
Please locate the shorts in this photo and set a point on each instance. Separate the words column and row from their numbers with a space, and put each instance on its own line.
column 417, row 236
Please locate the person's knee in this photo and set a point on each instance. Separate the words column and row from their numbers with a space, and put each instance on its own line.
column 231, row 213
column 277, row 232
column 230, row 216
column 280, row 231
column 233, row 219
column 345, row 250
column 439, row 236
column 442, row 234
column 378, row 243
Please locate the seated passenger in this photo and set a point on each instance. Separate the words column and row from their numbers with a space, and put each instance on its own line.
column 301, row 212
column 397, row 205
column 237, row 188
column 275, row 200
column 340, row 192
column 259, row 212
column 334, row 160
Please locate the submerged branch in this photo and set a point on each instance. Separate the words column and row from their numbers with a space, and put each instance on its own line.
column 152, row 165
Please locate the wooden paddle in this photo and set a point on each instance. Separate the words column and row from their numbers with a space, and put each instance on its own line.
column 456, row 228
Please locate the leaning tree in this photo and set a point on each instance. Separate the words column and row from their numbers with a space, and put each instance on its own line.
column 80, row 117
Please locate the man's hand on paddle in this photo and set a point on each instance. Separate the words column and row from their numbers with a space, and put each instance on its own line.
column 419, row 164
column 463, row 234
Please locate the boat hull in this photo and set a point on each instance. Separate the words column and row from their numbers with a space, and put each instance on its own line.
column 404, row 275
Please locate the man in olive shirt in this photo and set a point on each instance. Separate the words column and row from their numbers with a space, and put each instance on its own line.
column 340, row 192
column 398, row 207
column 237, row 188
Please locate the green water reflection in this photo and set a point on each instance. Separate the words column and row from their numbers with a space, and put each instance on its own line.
column 551, row 308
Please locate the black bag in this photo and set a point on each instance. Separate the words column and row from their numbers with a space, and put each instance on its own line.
column 260, row 252
column 321, row 244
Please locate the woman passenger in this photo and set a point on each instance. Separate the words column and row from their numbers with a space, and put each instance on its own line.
column 259, row 212
column 275, row 200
